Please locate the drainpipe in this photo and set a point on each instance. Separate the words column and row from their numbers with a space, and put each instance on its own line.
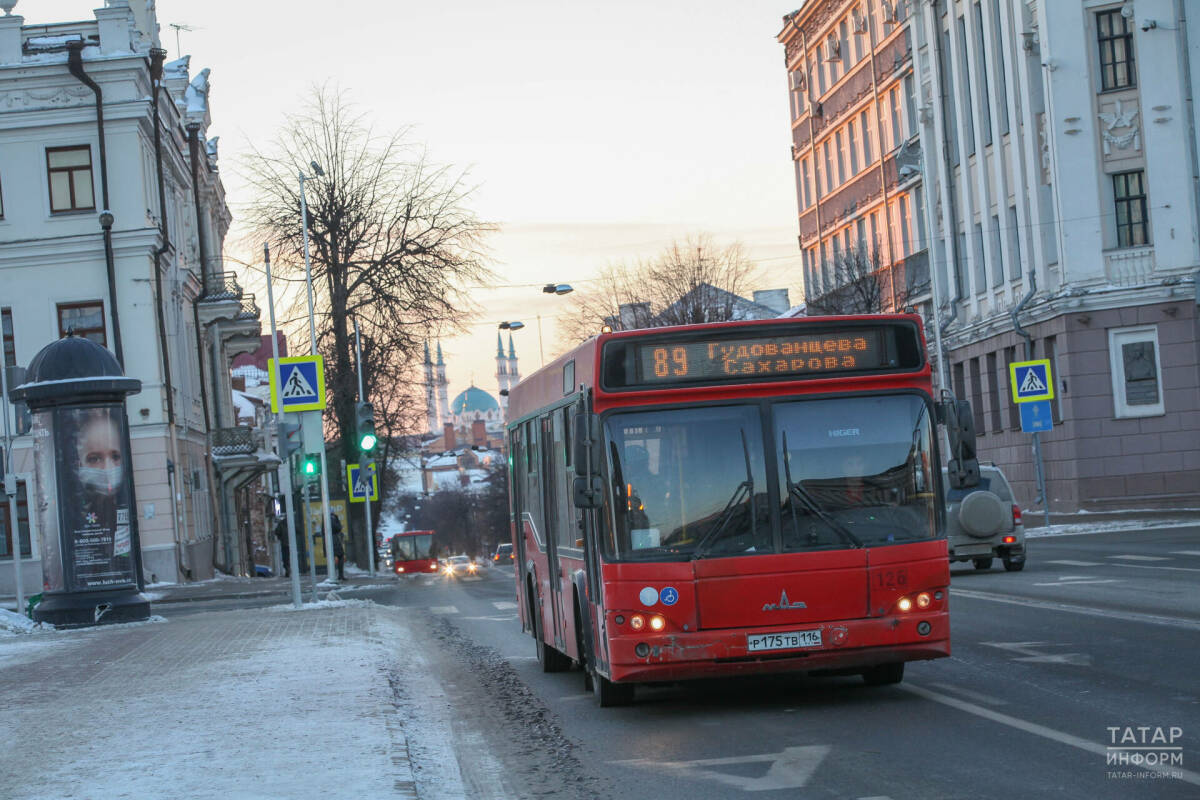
column 1037, row 444
column 75, row 66
column 157, row 56
column 194, row 151
column 933, row 32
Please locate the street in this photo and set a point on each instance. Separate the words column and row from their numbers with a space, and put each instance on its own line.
column 432, row 691
column 1045, row 662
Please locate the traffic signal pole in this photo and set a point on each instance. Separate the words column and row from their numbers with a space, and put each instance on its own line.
column 371, row 476
column 285, row 467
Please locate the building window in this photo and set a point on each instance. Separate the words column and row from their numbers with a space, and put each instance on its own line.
column 997, row 384
column 10, row 343
column 852, row 136
column 897, row 129
column 69, row 173
column 841, row 161
column 828, row 168
column 1014, row 413
column 1116, row 50
column 865, row 125
column 1136, row 377
column 6, row 524
column 1, row 200
column 1050, row 352
column 83, row 319
column 1129, row 198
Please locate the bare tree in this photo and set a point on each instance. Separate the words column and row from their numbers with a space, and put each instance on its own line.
column 855, row 283
column 393, row 244
column 688, row 282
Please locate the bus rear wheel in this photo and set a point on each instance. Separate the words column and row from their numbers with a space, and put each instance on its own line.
column 611, row 694
column 551, row 659
column 884, row 674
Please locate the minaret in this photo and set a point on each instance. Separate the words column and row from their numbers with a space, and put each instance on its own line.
column 514, row 374
column 431, row 413
column 502, row 374
column 443, row 387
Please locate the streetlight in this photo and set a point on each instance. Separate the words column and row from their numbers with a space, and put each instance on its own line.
column 557, row 288
column 515, row 325
column 312, row 342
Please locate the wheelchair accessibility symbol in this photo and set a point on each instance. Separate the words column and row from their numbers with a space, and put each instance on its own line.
column 669, row 596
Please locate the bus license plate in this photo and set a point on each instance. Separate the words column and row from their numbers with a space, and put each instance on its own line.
column 758, row 642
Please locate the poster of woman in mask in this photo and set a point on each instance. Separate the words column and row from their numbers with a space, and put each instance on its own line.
column 94, row 476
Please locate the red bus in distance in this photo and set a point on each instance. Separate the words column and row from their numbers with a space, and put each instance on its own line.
column 412, row 553
column 734, row 499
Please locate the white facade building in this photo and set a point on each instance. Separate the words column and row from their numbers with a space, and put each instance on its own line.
column 175, row 325
column 1060, row 164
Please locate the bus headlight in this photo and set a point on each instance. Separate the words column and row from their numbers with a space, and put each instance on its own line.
column 657, row 623
column 923, row 600
column 637, row 622
column 905, row 604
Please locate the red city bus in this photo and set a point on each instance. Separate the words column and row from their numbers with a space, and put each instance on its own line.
column 412, row 553
column 733, row 499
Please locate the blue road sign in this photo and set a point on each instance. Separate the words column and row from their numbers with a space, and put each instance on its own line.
column 363, row 484
column 1031, row 380
column 1036, row 417
column 297, row 384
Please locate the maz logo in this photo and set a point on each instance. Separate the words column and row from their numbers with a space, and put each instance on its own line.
column 783, row 604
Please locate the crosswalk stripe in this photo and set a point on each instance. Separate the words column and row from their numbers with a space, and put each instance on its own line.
column 1142, row 558
column 504, row 605
column 1068, row 563
column 443, row 609
column 1186, row 552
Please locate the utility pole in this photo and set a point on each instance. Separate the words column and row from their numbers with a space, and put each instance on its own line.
column 372, row 478
column 285, row 468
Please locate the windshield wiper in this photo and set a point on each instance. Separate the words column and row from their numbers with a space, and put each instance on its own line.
column 745, row 489
column 798, row 492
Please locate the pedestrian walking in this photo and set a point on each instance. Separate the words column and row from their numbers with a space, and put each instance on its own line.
column 339, row 548
column 286, row 552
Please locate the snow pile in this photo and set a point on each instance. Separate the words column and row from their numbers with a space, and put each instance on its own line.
column 13, row 624
column 1106, row 526
column 331, row 601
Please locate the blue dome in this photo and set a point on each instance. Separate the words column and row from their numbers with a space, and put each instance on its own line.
column 472, row 400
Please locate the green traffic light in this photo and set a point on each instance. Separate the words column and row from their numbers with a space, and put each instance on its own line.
column 310, row 466
column 367, row 442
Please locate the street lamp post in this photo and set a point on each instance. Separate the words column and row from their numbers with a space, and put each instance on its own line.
column 330, row 574
column 515, row 325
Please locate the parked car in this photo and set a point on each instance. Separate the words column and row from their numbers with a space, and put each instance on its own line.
column 984, row 522
column 504, row 554
column 459, row 567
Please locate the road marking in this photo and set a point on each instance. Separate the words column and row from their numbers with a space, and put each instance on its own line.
column 1142, row 558
column 1129, row 616
column 443, row 609
column 1073, row 581
column 1032, row 656
column 573, row 697
column 1186, row 552
column 1067, row 563
column 506, row 618
column 790, row 768
column 1033, row 727
column 1147, row 566
column 504, row 605
column 970, row 694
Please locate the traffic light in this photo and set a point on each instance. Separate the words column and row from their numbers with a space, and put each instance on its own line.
column 289, row 438
column 311, row 465
column 364, row 425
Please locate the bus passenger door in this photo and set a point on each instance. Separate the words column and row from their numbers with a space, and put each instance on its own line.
column 551, row 444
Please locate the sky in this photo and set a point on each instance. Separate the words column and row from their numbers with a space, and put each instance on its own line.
column 592, row 133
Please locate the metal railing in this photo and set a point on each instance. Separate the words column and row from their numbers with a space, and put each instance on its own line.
column 233, row 441
column 249, row 309
column 221, row 286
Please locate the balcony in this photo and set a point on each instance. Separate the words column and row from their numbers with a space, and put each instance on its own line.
column 221, row 286
column 248, row 309
column 1130, row 266
column 239, row 441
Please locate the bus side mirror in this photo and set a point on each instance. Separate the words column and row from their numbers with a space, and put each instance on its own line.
column 963, row 467
column 588, row 493
column 586, row 446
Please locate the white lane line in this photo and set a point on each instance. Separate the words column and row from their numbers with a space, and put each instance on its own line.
column 1074, row 581
column 1185, row 552
column 443, row 609
column 1129, row 616
column 506, row 618
column 1142, row 558
column 1147, row 566
column 1067, row 563
column 970, row 694
column 573, row 697
column 1034, row 728
column 504, row 605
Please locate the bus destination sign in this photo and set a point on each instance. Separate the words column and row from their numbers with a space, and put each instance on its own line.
column 800, row 355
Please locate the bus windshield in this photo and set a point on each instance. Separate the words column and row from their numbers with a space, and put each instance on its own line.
column 855, row 471
column 412, row 548
column 688, row 483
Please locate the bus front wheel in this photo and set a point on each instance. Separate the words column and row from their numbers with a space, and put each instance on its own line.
column 550, row 658
column 611, row 694
column 884, row 674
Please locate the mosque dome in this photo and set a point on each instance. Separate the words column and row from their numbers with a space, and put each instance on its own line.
column 473, row 400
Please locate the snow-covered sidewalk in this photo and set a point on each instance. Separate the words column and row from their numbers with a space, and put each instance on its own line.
column 236, row 704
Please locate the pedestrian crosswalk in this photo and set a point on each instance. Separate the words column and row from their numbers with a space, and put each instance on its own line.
column 499, row 605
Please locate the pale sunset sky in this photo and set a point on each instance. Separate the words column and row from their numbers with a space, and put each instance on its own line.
column 594, row 133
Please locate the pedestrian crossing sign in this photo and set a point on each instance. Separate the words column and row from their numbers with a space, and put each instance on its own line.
column 297, row 384
column 1031, row 380
column 363, row 482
